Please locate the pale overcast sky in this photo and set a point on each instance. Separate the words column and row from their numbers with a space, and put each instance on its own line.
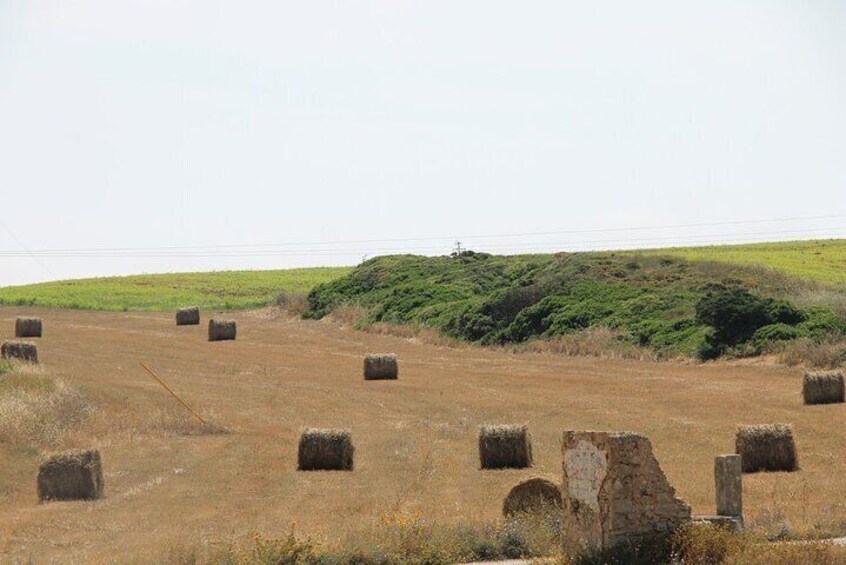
column 150, row 124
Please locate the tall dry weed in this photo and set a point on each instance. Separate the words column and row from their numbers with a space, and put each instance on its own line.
column 805, row 351
column 37, row 410
column 293, row 303
column 347, row 315
column 176, row 421
column 601, row 342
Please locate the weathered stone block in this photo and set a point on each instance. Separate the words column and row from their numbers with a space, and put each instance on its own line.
column 614, row 490
column 728, row 479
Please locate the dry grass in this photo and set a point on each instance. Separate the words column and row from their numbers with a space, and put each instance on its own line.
column 804, row 351
column 293, row 303
column 176, row 421
column 37, row 410
column 411, row 539
column 708, row 545
column 599, row 342
column 416, row 440
column 347, row 315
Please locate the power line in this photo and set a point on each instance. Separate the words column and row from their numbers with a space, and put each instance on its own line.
column 200, row 248
column 674, row 241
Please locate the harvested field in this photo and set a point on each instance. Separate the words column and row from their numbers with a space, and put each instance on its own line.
column 415, row 441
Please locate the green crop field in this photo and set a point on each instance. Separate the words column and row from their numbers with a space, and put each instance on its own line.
column 225, row 290
column 821, row 261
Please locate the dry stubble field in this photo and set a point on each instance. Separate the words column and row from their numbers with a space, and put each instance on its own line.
column 415, row 438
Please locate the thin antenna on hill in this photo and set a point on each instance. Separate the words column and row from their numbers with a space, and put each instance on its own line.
column 173, row 394
column 458, row 249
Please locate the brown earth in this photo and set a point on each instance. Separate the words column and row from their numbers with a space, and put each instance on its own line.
column 415, row 438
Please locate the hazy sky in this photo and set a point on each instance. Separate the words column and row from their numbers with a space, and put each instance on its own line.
column 150, row 124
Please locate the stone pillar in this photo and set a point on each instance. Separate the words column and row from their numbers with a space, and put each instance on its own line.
column 613, row 489
column 728, row 479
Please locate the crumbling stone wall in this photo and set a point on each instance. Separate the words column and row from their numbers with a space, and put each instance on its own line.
column 614, row 489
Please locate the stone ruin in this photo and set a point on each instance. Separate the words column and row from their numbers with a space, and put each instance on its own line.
column 614, row 490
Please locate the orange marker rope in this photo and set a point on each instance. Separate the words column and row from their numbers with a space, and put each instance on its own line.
column 167, row 388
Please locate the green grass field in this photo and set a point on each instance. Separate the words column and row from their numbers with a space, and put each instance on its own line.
column 821, row 261
column 818, row 261
column 226, row 290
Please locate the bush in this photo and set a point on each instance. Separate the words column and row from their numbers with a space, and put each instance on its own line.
column 773, row 333
column 673, row 307
column 822, row 323
column 736, row 314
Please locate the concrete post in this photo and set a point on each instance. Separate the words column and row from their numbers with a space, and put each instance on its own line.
column 729, row 483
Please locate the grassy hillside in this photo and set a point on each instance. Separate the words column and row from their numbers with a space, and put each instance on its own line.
column 818, row 262
column 230, row 290
column 822, row 261
column 672, row 305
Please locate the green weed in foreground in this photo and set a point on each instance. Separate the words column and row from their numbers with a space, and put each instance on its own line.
column 407, row 539
column 420, row 542
column 225, row 290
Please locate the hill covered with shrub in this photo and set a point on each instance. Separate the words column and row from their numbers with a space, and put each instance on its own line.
column 669, row 304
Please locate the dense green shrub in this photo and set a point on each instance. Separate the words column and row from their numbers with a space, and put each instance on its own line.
column 774, row 333
column 736, row 314
column 669, row 305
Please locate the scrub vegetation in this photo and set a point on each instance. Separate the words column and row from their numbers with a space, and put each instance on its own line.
column 670, row 305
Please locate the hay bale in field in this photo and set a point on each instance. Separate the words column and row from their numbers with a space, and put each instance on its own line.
column 188, row 316
column 220, row 330
column 325, row 450
column 20, row 351
column 533, row 496
column 73, row 475
column 28, row 327
column 768, row 447
column 823, row 388
column 378, row 367
column 505, row 447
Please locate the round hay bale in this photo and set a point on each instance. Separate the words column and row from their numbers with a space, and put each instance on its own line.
column 28, row 327
column 220, row 330
column 325, row 450
column 73, row 475
column 19, row 351
column 823, row 388
column 379, row 367
column 505, row 447
column 768, row 447
column 533, row 496
column 188, row 316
